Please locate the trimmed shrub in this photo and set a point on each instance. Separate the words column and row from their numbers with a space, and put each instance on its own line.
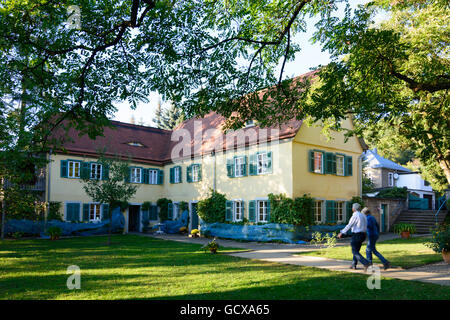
column 358, row 200
column 54, row 211
column 212, row 209
column 394, row 193
column 163, row 205
column 286, row 210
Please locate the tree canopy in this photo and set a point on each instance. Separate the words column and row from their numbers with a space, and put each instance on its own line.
column 222, row 55
column 65, row 62
column 391, row 73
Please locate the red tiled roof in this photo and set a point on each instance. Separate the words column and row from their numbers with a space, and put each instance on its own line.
column 157, row 145
column 116, row 139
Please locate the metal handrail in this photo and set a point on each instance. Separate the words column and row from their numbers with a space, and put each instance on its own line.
column 436, row 215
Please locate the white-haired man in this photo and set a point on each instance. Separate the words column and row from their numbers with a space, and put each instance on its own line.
column 358, row 225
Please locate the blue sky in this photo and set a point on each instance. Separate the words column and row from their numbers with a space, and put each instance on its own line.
column 310, row 56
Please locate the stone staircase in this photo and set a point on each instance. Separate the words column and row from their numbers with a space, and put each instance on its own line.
column 424, row 220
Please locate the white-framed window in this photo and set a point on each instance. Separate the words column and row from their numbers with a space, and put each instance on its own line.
column 96, row 171
column 74, row 169
column 340, row 211
column 195, row 173
column 318, row 207
column 239, row 166
column 136, row 175
column 262, row 163
column 390, row 179
column 262, row 210
column 153, row 176
column 177, row 175
column 318, row 162
column 94, row 212
column 238, row 210
column 339, row 165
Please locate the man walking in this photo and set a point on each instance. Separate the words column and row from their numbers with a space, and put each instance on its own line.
column 373, row 234
column 358, row 225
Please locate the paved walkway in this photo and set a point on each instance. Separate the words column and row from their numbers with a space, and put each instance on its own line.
column 438, row 273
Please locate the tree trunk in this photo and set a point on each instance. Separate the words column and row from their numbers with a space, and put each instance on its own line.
column 446, row 168
column 3, row 219
column 110, row 224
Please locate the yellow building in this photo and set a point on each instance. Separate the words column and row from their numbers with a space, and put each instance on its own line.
column 185, row 164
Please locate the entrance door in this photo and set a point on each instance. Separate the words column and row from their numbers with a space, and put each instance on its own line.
column 383, row 217
column 429, row 197
column 194, row 216
column 133, row 218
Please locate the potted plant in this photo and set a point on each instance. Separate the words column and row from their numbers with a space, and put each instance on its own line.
column 212, row 246
column 183, row 230
column 440, row 242
column 195, row 233
column 405, row 229
column 54, row 233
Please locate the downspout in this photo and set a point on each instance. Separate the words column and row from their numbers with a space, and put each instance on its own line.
column 213, row 154
column 48, row 188
column 360, row 175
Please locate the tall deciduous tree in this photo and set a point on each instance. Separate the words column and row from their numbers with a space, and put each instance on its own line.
column 64, row 63
column 112, row 189
column 394, row 72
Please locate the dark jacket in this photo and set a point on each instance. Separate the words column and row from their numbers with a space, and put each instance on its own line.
column 372, row 226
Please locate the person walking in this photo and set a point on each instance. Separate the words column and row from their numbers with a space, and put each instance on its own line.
column 358, row 226
column 373, row 234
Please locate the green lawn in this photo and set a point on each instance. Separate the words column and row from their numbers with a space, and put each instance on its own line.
column 405, row 253
column 144, row 268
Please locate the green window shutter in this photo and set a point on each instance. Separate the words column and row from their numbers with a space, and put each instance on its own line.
column 160, row 176
column 145, row 215
column 269, row 162
column 73, row 212
column 245, row 166
column 171, row 178
column 128, row 175
column 268, row 210
column 230, row 168
column 189, row 173
column 85, row 170
column 311, row 160
column 85, row 211
column 328, row 162
column 68, row 212
column 145, row 175
column 153, row 213
column 252, row 211
column 333, row 163
column 229, row 211
column 349, row 211
column 330, row 211
column 243, row 208
column 252, row 166
column 105, row 211
column 348, row 166
column 105, row 172
column 181, row 174
column 170, row 211
column 64, row 168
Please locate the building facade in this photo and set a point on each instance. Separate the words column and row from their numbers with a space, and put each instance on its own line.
column 199, row 156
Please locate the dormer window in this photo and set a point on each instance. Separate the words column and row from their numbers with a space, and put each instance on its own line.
column 249, row 123
column 135, row 144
